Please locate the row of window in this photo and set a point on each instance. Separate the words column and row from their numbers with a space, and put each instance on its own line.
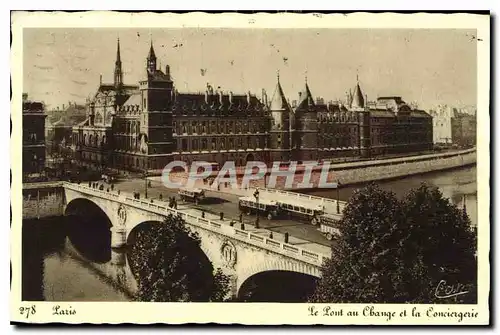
column 338, row 142
column 219, row 127
column 90, row 140
column 128, row 127
column 222, row 143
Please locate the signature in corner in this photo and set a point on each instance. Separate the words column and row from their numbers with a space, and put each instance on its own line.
column 445, row 290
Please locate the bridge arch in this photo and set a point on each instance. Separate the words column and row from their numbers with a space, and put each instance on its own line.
column 281, row 265
column 277, row 286
column 88, row 229
column 85, row 206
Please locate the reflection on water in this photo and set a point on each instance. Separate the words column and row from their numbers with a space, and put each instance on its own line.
column 55, row 268
column 70, row 259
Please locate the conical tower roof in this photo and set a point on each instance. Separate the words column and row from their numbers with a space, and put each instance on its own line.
column 358, row 101
column 306, row 97
column 151, row 54
column 278, row 101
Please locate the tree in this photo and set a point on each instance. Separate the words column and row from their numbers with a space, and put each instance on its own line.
column 170, row 266
column 439, row 246
column 394, row 251
column 364, row 263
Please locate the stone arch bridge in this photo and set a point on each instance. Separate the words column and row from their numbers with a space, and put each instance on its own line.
column 239, row 253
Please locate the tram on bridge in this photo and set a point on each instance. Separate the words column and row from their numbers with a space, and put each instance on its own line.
column 267, row 208
column 329, row 225
column 195, row 195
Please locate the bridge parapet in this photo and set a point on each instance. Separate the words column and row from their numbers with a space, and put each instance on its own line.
column 307, row 256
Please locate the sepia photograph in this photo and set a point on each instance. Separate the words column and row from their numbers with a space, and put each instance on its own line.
column 314, row 166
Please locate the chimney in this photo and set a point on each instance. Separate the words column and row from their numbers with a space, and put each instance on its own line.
column 100, row 79
column 220, row 95
column 63, row 107
column 248, row 97
column 25, row 97
column 230, row 97
column 167, row 71
column 264, row 97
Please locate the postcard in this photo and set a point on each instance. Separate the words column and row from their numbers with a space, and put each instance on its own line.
column 252, row 169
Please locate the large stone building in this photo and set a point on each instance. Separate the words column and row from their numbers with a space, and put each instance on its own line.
column 441, row 119
column 454, row 126
column 59, row 128
column 143, row 127
column 33, row 138
column 463, row 129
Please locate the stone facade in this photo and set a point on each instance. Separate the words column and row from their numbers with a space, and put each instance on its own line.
column 143, row 127
column 463, row 129
column 33, row 138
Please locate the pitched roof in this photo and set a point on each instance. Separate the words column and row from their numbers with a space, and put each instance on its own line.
column 134, row 99
column 420, row 113
column 158, row 75
column 278, row 101
column 358, row 101
column 306, row 98
column 381, row 112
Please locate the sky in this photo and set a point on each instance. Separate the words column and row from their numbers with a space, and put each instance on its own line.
column 425, row 66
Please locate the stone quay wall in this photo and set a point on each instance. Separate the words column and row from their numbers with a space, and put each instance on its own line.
column 42, row 200
column 366, row 171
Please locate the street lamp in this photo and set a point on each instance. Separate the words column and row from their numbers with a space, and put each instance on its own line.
column 146, row 183
column 256, row 195
column 338, row 196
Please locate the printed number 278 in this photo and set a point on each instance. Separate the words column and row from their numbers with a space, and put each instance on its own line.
column 27, row 311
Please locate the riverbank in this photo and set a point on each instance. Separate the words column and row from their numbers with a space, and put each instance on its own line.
column 402, row 167
column 360, row 172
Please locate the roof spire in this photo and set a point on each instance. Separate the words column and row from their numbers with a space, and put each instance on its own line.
column 278, row 75
column 151, row 54
column 306, row 76
column 118, row 58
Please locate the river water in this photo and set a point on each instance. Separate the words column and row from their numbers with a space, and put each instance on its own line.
column 60, row 264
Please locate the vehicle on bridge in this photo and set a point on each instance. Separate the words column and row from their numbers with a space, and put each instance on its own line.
column 268, row 208
column 302, row 211
column 195, row 195
column 329, row 226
